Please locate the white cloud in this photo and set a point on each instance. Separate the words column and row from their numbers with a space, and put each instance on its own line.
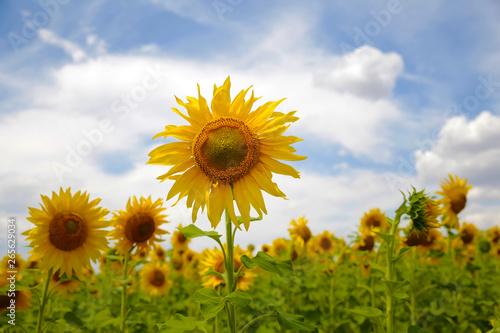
column 69, row 47
column 197, row 10
column 469, row 149
column 366, row 72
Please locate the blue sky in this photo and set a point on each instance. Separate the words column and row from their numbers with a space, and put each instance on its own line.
column 378, row 86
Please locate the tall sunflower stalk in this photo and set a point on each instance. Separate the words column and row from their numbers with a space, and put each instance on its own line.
column 423, row 213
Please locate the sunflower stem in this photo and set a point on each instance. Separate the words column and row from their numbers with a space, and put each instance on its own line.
column 230, row 271
column 256, row 319
column 124, row 291
column 43, row 301
column 389, row 276
column 413, row 305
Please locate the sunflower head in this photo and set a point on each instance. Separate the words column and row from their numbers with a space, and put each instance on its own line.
column 425, row 240
column 279, row 248
column 67, row 234
column 66, row 288
column 155, row 279
column 179, row 241
column 300, row 230
column 227, row 154
column 374, row 220
column 158, row 253
column 16, row 264
column 423, row 211
column 138, row 225
column 366, row 242
column 468, row 233
column 454, row 192
column 493, row 235
column 23, row 301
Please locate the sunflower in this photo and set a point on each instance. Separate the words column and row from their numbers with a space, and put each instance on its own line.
column 424, row 240
column 468, row 234
column 138, row 225
column 493, row 235
column 324, row 243
column 424, row 211
column 366, row 242
column 300, row 230
column 279, row 248
column 215, row 259
column 158, row 253
column 67, row 234
column 16, row 264
column 227, row 153
column 454, row 192
column 179, row 241
column 374, row 220
column 66, row 288
column 155, row 279
column 22, row 297
column 212, row 259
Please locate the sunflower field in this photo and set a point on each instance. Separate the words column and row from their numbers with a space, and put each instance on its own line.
column 432, row 273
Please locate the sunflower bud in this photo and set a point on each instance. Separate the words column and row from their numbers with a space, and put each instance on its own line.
column 423, row 211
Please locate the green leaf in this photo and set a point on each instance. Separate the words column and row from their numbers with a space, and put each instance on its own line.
column 366, row 311
column 212, row 271
column 293, row 322
column 385, row 237
column 268, row 263
column 394, row 285
column 238, row 298
column 133, row 263
column 401, row 253
column 377, row 267
column 191, row 231
column 416, row 329
column 113, row 257
column 72, row 319
column 211, row 303
column 181, row 324
column 401, row 296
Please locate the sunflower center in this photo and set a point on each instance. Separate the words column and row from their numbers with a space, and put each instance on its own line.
column 181, row 238
column 67, row 231
column 325, row 243
column 369, row 243
column 304, row 233
column 468, row 237
column 140, row 227
column 457, row 201
column 157, row 278
column 225, row 150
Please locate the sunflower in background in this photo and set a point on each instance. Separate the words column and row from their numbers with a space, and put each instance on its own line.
column 227, row 149
column 366, row 242
column 22, row 297
column 155, row 279
column 325, row 244
column 423, row 211
column 67, row 235
column 280, row 248
column 16, row 264
column 66, row 288
column 374, row 220
column 300, row 231
column 493, row 235
column 138, row 225
column 215, row 259
column 468, row 233
column 158, row 253
column 179, row 241
column 454, row 192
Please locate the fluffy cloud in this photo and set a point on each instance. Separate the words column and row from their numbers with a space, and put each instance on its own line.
column 366, row 72
column 469, row 149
